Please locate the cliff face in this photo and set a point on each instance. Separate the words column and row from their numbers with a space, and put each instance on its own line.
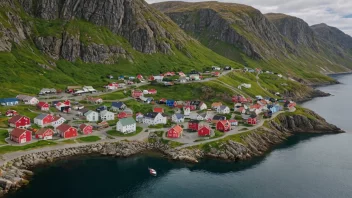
column 234, row 29
column 233, row 24
column 333, row 35
column 295, row 29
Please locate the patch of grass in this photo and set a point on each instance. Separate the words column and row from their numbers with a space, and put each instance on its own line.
column 39, row 144
column 89, row 139
column 22, row 110
column 3, row 135
column 69, row 141
column 115, row 133
column 117, row 95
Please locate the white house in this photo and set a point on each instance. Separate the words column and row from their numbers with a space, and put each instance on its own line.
column 194, row 76
column 92, row 116
column 215, row 68
column 279, row 75
column 186, row 111
column 139, row 117
column 106, row 115
column 203, row 106
column 246, row 85
column 30, row 100
column 223, row 109
column 57, row 121
column 154, row 119
column 89, row 89
column 43, row 120
column 126, row 125
column 182, row 79
column 178, row 117
column 196, row 116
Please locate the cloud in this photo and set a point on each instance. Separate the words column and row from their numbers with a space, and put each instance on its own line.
column 336, row 13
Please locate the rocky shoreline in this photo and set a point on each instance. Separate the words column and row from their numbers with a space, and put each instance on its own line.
column 15, row 173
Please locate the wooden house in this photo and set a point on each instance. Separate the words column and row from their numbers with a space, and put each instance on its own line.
column 66, row 131
column 21, row 135
column 223, row 125
column 43, row 120
column 19, row 121
column 175, row 132
column 86, row 129
column 44, row 134
column 204, row 131
column 43, row 106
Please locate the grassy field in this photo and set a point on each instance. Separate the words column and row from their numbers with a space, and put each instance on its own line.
column 22, row 110
column 117, row 95
column 39, row 144
column 115, row 133
column 88, row 139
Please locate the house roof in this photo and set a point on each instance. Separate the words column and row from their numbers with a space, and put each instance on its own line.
column 223, row 107
column 41, row 116
column 84, row 110
column 105, row 112
column 9, row 100
column 219, row 117
column 151, row 115
column 16, row 118
column 63, row 127
column 216, row 104
column 127, row 121
column 24, row 97
column 178, row 129
column 224, row 122
column 41, row 104
column 117, row 104
column 89, row 112
column 194, row 121
column 82, row 126
column 17, row 132
column 179, row 115
column 57, row 118
column 231, row 121
column 42, row 131
column 196, row 102
column 158, row 110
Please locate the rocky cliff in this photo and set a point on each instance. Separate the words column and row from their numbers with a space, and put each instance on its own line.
column 295, row 29
column 234, row 24
column 333, row 35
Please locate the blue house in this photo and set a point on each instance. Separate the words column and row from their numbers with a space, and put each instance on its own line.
column 9, row 101
column 274, row 108
column 170, row 103
column 102, row 108
column 116, row 106
column 122, row 77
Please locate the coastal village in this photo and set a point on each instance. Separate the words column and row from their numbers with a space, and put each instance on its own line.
column 82, row 112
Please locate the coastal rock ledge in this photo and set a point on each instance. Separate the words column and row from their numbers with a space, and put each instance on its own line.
column 14, row 173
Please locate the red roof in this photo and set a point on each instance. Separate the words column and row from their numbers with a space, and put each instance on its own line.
column 177, row 129
column 56, row 118
column 256, row 106
column 82, row 126
column 163, row 100
column 63, row 127
column 42, row 131
column 41, row 104
column 158, row 110
column 231, row 121
column 16, row 118
column 17, row 132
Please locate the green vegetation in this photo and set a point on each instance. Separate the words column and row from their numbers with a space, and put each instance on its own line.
column 39, row 144
column 69, row 141
column 117, row 95
column 3, row 135
column 21, row 109
column 115, row 133
column 89, row 139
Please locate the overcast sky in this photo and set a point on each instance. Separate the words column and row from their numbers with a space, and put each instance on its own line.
column 337, row 13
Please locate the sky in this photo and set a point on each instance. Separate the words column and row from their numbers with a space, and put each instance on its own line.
column 336, row 13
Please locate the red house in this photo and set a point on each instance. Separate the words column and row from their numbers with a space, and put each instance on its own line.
column 123, row 114
column 45, row 134
column 152, row 91
column 193, row 125
column 11, row 113
column 86, row 129
column 175, row 132
column 64, row 106
column 158, row 110
column 21, row 135
column 204, row 131
column 66, row 131
column 241, row 99
column 43, row 120
column 43, row 106
column 223, row 125
column 140, row 77
column 19, row 121
column 136, row 93
column 252, row 121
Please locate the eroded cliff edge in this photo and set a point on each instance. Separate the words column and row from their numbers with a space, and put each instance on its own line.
column 242, row 146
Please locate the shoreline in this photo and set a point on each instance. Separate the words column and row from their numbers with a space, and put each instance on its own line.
column 258, row 142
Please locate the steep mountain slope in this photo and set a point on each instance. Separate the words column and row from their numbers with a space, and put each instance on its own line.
column 55, row 43
column 243, row 34
column 333, row 35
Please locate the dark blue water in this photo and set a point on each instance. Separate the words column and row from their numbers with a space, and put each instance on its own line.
column 304, row 166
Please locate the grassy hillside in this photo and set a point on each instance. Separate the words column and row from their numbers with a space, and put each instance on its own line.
column 25, row 69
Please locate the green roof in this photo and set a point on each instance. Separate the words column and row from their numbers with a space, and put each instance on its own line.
column 127, row 121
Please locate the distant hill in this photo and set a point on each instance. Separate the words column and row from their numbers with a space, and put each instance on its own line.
column 273, row 41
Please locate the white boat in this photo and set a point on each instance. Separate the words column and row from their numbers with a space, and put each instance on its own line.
column 152, row 171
